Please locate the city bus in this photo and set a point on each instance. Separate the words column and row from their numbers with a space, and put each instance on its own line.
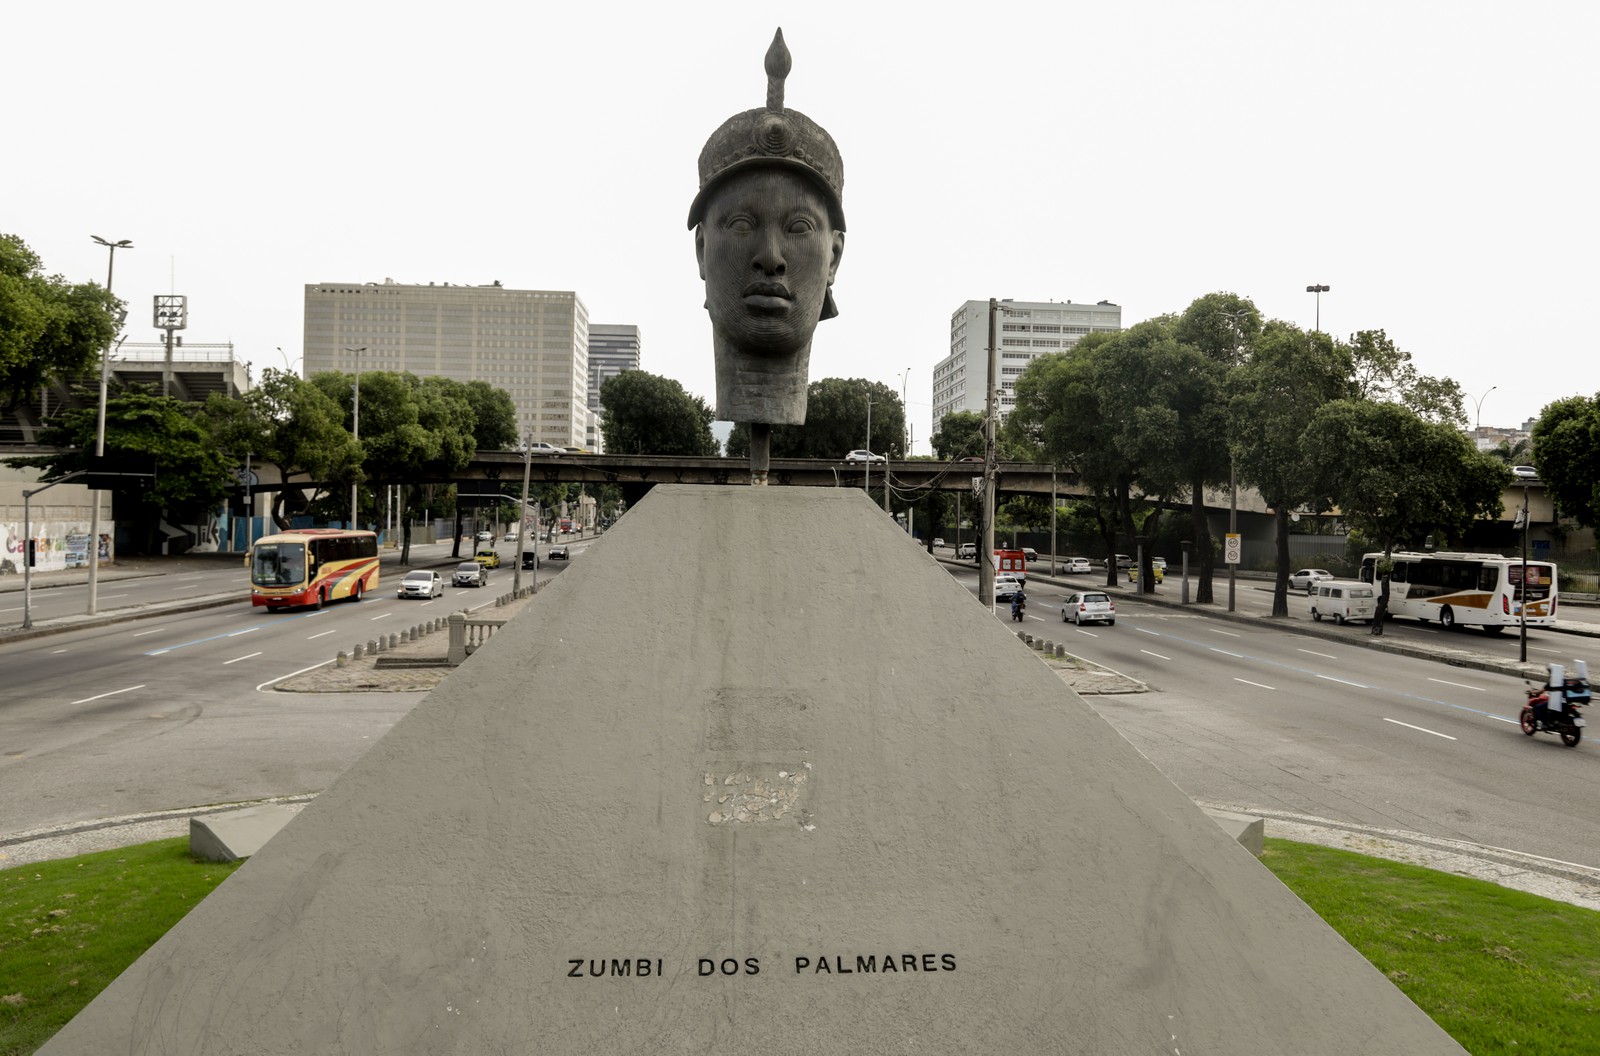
column 312, row 566
column 1468, row 590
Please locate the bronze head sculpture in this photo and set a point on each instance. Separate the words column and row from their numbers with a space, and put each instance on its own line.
column 769, row 232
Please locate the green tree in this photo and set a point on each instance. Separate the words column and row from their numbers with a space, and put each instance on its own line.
column 494, row 414
column 50, row 329
column 1566, row 451
column 647, row 414
column 288, row 423
column 959, row 435
column 1396, row 477
column 1382, row 371
column 193, row 475
column 1289, row 375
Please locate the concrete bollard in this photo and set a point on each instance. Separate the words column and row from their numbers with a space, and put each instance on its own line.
column 374, row 646
column 343, row 659
column 1061, row 651
column 355, row 654
column 394, row 640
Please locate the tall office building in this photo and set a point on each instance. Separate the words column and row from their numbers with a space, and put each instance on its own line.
column 534, row 344
column 613, row 348
column 1027, row 330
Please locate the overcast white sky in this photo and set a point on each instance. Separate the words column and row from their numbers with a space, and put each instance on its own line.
column 1433, row 163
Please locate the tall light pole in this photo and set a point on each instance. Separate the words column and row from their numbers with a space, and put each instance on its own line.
column 1477, row 408
column 1319, row 290
column 522, row 523
column 990, row 409
column 100, row 434
column 355, row 420
column 866, row 473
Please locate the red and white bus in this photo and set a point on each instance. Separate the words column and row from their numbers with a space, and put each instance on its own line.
column 1469, row 590
column 312, row 566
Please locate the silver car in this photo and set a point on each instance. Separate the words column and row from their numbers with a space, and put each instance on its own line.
column 470, row 574
column 1306, row 579
column 422, row 585
column 1089, row 606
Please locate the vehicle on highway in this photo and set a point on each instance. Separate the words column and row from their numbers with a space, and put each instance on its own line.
column 1157, row 573
column 937, row 541
column 862, row 455
column 530, row 559
column 1525, row 472
column 470, row 574
column 541, row 448
column 511, row 535
column 973, row 458
column 1159, row 562
column 1030, row 553
column 485, row 536
column 1306, row 579
column 1470, row 590
column 312, row 566
column 422, row 584
column 557, row 553
column 487, row 557
column 566, row 524
column 1076, row 566
column 1556, row 706
column 1089, row 606
column 1344, row 600
column 1123, row 561
column 967, row 551
column 1006, row 586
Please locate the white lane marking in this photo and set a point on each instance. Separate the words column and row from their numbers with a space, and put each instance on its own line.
column 235, row 634
column 14, row 608
column 113, row 693
column 1341, row 681
column 291, row 674
column 1458, row 685
column 141, row 634
column 1420, row 729
column 385, row 616
column 1258, row 685
column 236, row 659
column 1542, row 649
column 1313, row 652
column 324, row 634
column 103, row 597
column 1091, row 634
column 54, row 652
column 1224, row 652
column 1230, row 634
column 1158, row 656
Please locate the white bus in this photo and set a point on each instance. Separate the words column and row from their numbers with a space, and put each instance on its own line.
column 1469, row 590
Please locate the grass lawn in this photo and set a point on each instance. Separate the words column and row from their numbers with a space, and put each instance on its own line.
column 67, row 928
column 1501, row 971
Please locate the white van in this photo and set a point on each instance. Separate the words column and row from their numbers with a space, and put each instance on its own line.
column 1343, row 600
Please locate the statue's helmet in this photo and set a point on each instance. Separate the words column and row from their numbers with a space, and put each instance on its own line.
column 774, row 137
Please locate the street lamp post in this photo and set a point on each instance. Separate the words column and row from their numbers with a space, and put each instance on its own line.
column 990, row 409
column 355, row 421
column 1319, row 290
column 1522, row 609
column 100, row 434
column 522, row 523
column 1477, row 408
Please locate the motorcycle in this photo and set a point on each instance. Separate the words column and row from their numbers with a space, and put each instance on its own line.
column 1556, row 707
column 1019, row 606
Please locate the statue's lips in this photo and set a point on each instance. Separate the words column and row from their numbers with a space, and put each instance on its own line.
column 767, row 296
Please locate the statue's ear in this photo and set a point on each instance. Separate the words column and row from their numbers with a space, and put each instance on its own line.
column 700, row 249
column 838, row 251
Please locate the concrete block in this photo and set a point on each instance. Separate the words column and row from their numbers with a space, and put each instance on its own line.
column 1250, row 832
column 236, row 834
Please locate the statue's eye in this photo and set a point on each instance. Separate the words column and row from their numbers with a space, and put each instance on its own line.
column 742, row 224
column 801, row 225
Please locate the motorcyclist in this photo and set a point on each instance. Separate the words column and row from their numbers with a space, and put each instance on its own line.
column 1019, row 602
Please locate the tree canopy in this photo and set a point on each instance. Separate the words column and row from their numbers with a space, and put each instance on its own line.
column 836, row 423
column 647, row 414
column 1566, row 452
column 50, row 329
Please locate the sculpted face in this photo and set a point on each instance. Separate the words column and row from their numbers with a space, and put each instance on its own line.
column 768, row 254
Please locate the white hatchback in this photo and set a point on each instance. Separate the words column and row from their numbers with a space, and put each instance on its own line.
column 1089, row 606
column 1077, row 566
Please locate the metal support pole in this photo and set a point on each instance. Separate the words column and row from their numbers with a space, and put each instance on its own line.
column 1233, row 525
column 522, row 522
column 1052, row 519
column 1522, row 609
column 986, row 550
column 100, row 436
column 355, row 421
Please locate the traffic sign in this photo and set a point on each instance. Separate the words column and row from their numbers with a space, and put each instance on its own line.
column 1231, row 548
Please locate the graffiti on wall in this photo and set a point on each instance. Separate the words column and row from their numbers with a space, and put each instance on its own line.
column 58, row 545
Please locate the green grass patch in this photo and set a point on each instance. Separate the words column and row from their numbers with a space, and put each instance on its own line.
column 69, row 927
column 1502, row 971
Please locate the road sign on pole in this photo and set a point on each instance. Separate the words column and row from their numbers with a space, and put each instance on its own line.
column 1231, row 548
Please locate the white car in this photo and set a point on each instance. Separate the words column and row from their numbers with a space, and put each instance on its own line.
column 1306, row 579
column 1159, row 562
column 1089, row 606
column 937, row 541
column 422, row 585
column 1077, row 566
column 967, row 551
column 1006, row 586
column 1525, row 472
column 511, row 535
column 541, row 448
column 485, row 536
column 861, row 455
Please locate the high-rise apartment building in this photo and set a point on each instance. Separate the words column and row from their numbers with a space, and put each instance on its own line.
column 534, row 344
column 1027, row 330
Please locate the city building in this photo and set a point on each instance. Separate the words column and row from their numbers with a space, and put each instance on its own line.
column 613, row 348
column 534, row 344
column 1027, row 330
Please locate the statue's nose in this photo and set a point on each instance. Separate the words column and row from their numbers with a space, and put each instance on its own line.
column 769, row 253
